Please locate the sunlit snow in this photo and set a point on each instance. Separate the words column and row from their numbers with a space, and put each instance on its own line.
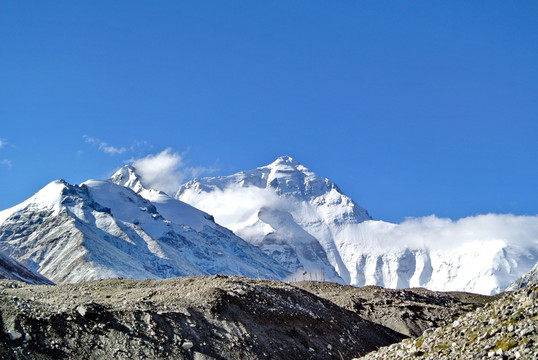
column 481, row 254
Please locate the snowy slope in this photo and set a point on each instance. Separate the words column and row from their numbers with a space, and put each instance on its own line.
column 283, row 205
column 285, row 209
column 263, row 205
column 439, row 254
column 14, row 270
column 99, row 229
column 170, row 208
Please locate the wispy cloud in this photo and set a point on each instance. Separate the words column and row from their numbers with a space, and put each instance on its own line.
column 4, row 162
column 166, row 171
column 103, row 146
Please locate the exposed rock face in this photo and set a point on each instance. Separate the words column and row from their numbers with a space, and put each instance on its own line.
column 504, row 329
column 213, row 317
column 13, row 270
column 407, row 311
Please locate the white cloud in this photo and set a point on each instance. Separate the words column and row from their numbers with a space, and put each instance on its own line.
column 166, row 171
column 103, row 146
column 441, row 233
column 111, row 149
column 3, row 143
column 235, row 206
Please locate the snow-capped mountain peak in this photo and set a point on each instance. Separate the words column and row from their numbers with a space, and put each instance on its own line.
column 287, row 177
column 47, row 197
column 127, row 176
column 305, row 222
column 99, row 229
column 286, row 163
column 296, row 224
column 276, row 202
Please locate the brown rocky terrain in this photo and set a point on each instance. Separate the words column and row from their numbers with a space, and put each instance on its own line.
column 407, row 311
column 221, row 317
column 506, row 328
column 215, row 317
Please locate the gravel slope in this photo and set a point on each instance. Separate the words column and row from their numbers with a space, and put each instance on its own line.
column 504, row 329
column 407, row 311
column 214, row 317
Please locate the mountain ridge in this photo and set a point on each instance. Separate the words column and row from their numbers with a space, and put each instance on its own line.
column 99, row 229
column 285, row 187
column 11, row 269
column 362, row 251
column 290, row 224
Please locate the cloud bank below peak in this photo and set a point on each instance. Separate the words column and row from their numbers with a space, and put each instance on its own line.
column 442, row 233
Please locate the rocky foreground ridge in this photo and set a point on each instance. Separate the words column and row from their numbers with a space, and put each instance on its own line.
column 215, row 317
column 407, row 311
column 221, row 317
column 504, row 329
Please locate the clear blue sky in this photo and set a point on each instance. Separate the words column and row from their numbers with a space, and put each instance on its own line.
column 411, row 107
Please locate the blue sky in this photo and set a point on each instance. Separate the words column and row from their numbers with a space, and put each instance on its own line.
column 412, row 108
